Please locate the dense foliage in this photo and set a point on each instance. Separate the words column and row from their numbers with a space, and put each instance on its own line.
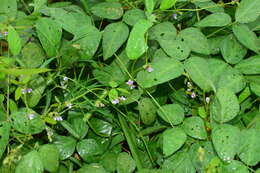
column 147, row 86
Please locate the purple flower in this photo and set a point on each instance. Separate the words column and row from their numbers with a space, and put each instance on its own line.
column 31, row 116
column 24, row 91
column 122, row 98
column 130, row 82
column 58, row 118
column 5, row 33
column 149, row 69
column 114, row 102
column 65, row 78
column 193, row 95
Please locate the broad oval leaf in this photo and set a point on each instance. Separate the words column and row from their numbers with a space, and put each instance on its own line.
column 247, row 11
column 173, row 139
column 49, row 155
column 49, row 33
column 4, row 139
column 225, row 105
column 114, row 36
column 235, row 167
column 226, row 141
column 205, row 4
column 194, row 127
column 66, row 146
column 231, row 50
column 108, row 10
column 30, row 163
column 195, row 39
column 14, row 41
column 171, row 113
column 125, row 163
column 198, row 69
column 166, row 4
column 93, row 167
column 163, row 71
column 215, row 20
column 162, row 31
column 247, row 37
column 101, row 127
column 147, row 110
column 131, row 17
column 250, row 65
column 136, row 44
column 149, row 5
column 27, row 121
column 89, row 149
column 249, row 151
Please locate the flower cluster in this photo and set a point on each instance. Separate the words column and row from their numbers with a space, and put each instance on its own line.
column 26, row 90
column 131, row 84
column 117, row 100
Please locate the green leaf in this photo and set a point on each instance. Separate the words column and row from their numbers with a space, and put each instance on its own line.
column 136, row 44
column 162, row 31
column 254, row 84
column 18, row 72
column 4, row 139
column 94, row 167
column 179, row 163
column 30, row 163
column 114, row 36
column 214, row 20
column 231, row 50
column 108, row 10
column 49, row 155
column 69, row 128
column 166, row 4
column 33, row 55
column 125, row 163
column 205, row 4
column 250, row 65
column 247, row 37
column 147, row 110
column 195, row 39
column 8, row 8
column 66, row 146
column 101, row 127
column 225, row 105
column 226, row 141
column 14, row 41
column 247, row 11
column 87, row 40
column 71, row 18
column 27, row 121
column 39, row 4
column 49, row 33
column 164, row 70
column 89, row 149
column 109, row 160
column 173, row 139
column 171, row 113
column 149, row 5
column 131, row 17
column 249, row 151
column 79, row 126
column 235, row 167
column 198, row 70
column 194, row 127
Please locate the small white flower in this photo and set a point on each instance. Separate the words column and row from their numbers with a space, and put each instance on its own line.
column 65, row 78
column 132, row 87
column 130, row 82
column 69, row 105
column 149, row 69
column 193, row 95
column 58, row 118
column 29, row 90
column 189, row 85
column 23, row 91
column 5, row 33
column 207, row 99
column 189, row 89
column 31, row 116
column 122, row 98
column 114, row 102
